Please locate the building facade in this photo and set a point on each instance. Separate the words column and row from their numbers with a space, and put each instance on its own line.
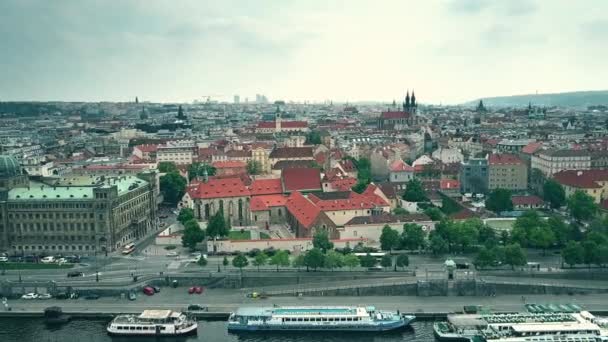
column 550, row 162
column 507, row 171
column 474, row 176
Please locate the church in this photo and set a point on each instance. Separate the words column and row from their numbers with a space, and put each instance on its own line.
column 278, row 125
column 400, row 119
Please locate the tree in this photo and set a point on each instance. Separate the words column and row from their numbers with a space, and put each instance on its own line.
column 254, row 167
column 467, row 232
column 434, row 214
column 542, row 237
column 202, row 262
column 573, row 253
column 173, row 187
column 389, row 238
column 240, row 261
column 412, row 236
column 487, row 236
column 438, row 245
column 514, row 255
column 589, row 252
column 199, row 169
column 504, row 237
column 280, row 258
column 193, row 234
column 298, row 261
column 185, row 214
column 554, row 193
column 400, row 211
column 403, row 260
column 314, row 258
column 217, row 225
column 225, row 262
column 313, row 138
column 499, row 200
column 581, row 206
column 350, row 261
column 561, row 231
column 485, row 258
column 260, row 259
column 367, row 261
column 359, row 187
column 321, row 241
column 414, row 192
column 333, row 260
column 525, row 225
column 386, row 261
column 167, row 167
column 602, row 255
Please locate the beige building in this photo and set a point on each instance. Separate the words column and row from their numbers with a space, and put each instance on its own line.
column 550, row 162
column 592, row 182
column 178, row 153
column 507, row 171
column 370, row 227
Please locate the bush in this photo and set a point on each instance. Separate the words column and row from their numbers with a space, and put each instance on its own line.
column 170, row 247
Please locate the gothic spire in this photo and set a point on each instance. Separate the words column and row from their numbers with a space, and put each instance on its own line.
column 413, row 100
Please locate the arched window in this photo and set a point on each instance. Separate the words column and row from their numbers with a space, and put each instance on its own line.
column 222, row 206
column 240, row 209
column 207, row 211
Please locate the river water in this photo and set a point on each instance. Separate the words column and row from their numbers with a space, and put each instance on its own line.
column 93, row 330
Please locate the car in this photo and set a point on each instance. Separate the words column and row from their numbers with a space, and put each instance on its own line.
column 198, row 289
column 61, row 261
column 148, row 291
column 156, row 288
column 172, row 254
column 3, row 259
column 74, row 274
column 62, row 295
column 375, row 268
column 44, row 296
column 48, row 260
column 132, row 296
column 196, row 307
column 191, row 290
column 30, row 295
column 92, row 296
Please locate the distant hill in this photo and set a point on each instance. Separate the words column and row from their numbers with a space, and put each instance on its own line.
column 570, row 99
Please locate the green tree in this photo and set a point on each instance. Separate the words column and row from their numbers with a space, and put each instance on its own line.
column 554, row 193
column 198, row 170
column 582, row 206
column 350, row 261
column 333, row 260
column 514, row 255
column 225, row 262
column 193, row 234
column 414, row 192
column 466, row 233
column 386, row 261
column 389, row 238
column 240, row 261
column 202, row 262
column 504, row 237
column 367, row 261
column 485, row 257
column 280, row 258
column 359, row 187
column 434, row 214
column 438, row 245
column 525, row 225
column 321, row 241
column 259, row 260
column 298, row 262
column 173, row 187
column 542, row 237
column 573, row 253
column 185, row 214
column 561, row 231
column 167, row 167
column 589, row 252
column 314, row 258
column 217, row 225
column 487, row 236
column 254, row 167
column 313, row 137
column 412, row 236
column 602, row 255
column 400, row 211
column 499, row 200
column 403, row 260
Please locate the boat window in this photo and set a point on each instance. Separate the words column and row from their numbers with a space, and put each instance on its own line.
column 131, row 328
column 119, row 328
column 162, row 328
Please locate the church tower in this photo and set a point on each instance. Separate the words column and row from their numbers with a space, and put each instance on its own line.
column 413, row 104
column 277, row 120
column 406, row 104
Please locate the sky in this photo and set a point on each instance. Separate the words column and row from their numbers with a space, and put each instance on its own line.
column 312, row 50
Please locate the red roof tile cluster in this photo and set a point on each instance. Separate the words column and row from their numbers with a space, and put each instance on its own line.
column 303, row 210
column 229, row 164
column 220, row 188
column 532, row 147
column 526, row 200
column 343, row 184
column 367, row 200
column 400, row 166
column 147, row 147
column 394, row 115
column 301, row 179
column 291, row 153
column 583, row 179
column 238, row 154
column 348, row 165
column 504, row 159
column 265, row 202
column 266, row 187
column 449, row 184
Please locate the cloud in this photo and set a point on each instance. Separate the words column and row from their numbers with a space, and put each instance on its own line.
column 597, row 29
column 468, row 6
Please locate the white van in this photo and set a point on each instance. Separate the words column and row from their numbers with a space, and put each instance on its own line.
column 48, row 260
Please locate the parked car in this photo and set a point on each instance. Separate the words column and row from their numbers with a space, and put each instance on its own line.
column 3, row 259
column 196, row 307
column 74, row 274
column 132, row 296
column 62, row 295
column 191, row 290
column 375, row 268
column 172, row 254
column 44, row 296
column 156, row 288
column 61, row 260
column 148, row 291
column 92, row 296
column 48, row 260
column 198, row 289
column 30, row 295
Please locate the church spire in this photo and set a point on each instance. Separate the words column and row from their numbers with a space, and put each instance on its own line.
column 406, row 105
column 413, row 100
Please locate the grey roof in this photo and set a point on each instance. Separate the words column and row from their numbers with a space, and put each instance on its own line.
column 9, row 166
column 387, row 218
column 564, row 153
column 77, row 188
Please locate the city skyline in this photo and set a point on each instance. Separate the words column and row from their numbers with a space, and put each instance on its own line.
column 448, row 52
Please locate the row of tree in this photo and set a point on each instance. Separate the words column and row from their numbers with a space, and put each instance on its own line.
column 217, row 226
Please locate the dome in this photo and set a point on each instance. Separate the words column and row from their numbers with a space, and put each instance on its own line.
column 9, row 166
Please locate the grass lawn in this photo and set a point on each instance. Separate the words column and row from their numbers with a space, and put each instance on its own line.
column 264, row 236
column 32, row 266
column 239, row 235
column 501, row 224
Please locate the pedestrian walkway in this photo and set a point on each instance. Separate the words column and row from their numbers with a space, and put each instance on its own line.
column 174, row 265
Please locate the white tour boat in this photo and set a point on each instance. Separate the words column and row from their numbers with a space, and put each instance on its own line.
column 153, row 323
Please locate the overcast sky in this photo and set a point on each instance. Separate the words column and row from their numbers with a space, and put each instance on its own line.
column 449, row 51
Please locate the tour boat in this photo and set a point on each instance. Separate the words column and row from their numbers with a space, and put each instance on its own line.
column 153, row 323
column 313, row 318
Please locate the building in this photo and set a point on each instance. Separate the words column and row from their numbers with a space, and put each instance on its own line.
column 400, row 119
column 370, row 227
column 400, row 172
column 507, row 171
column 599, row 159
column 306, row 218
column 79, row 214
column 227, row 195
column 290, row 153
column 301, row 179
column 179, row 153
column 593, row 182
column 512, row 146
column 474, row 176
column 278, row 125
column 550, row 162
column 527, row 202
column 448, row 155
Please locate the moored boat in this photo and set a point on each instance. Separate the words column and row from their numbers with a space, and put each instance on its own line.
column 153, row 323
column 54, row 316
column 316, row 318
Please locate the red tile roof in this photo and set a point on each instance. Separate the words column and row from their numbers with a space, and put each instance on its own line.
column 291, row 152
column 220, row 188
column 348, row 165
column 531, row 147
column 266, row 187
column 147, row 147
column 265, row 202
column 303, row 210
column 304, row 179
column 343, row 184
column 583, row 179
column 400, row 166
column 448, row 184
column 229, row 164
column 394, row 115
column 504, row 159
column 526, row 200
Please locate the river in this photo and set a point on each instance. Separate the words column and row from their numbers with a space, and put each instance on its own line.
column 93, row 330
